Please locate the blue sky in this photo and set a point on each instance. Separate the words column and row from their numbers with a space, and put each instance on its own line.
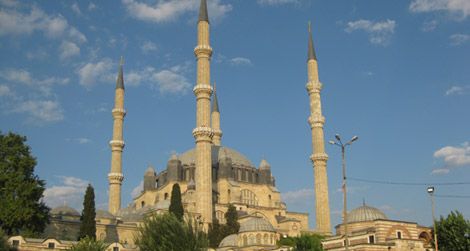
column 395, row 73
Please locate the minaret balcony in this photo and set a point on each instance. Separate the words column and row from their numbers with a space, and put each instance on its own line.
column 314, row 87
column 118, row 112
column 316, row 120
column 202, row 88
column 115, row 178
column 203, row 50
column 203, row 133
column 319, row 157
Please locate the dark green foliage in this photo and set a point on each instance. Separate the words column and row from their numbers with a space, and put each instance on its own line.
column 88, row 225
column 176, row 206
column 231, row 216
column 215, row 233
column 89, row 244
column 305, row 242
column 166, row 233
column 453, row 232
column 21, row 191
column 4, row 245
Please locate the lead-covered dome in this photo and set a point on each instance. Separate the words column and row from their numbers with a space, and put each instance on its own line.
column 65, row 211
column 229, row 241
column 256, row 224
column 366, row 213
column 189, row 156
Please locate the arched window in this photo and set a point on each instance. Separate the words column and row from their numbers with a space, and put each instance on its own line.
column 142, row 204
column 220, row 217
column 245, row 240
column 251, row 239
column 166, row 196
column 258, row 239
column 265, row 239
column 228, row 196
column 249, row 198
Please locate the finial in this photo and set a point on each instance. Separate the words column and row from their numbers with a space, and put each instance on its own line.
column 215, row 102
column 120, row 79
column 363, row 201
column 203, row 11
column 311, row 49
column 215, row 87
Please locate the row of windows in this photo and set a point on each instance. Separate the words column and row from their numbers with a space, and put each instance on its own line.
column 259, row 239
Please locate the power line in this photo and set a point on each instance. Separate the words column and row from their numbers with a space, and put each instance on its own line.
column 409, row 183
column 452, row 196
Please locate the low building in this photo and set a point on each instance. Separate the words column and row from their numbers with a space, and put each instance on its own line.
column 370, row 229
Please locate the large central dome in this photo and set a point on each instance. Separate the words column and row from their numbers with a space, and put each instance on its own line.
column 189, row 157
column 366, row 213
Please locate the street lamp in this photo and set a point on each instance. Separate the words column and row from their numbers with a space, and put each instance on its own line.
column 339, row 143
column 431, row 194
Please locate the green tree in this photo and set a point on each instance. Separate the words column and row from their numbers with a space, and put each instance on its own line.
column 231, row 217
column 215, row 233
column 21, row 191
column 4, row 245
column 453, row 232
column 88, row 223
column 176, row 206
column 305, row 242
column 89, row 244
column 166, row 233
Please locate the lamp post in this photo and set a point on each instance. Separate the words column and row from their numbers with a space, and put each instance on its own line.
column 431, row 194
column 339, row 143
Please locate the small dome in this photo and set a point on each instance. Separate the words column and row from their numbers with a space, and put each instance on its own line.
column 150, row 171
column 65, row 211
column 173, row 157
column 365, row 213
column 256, row 224
column 103, row 214
column 229, row 241
column 264, row 165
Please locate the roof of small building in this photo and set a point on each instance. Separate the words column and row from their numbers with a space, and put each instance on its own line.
column 229, row 241
column 64, row 210
column 256, row 224
column 189, row 157
column 365, row 213
column 103, row 214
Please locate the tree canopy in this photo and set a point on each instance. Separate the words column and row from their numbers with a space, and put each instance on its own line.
column 453, row 232
column 231, row 217
column 22, row 210
column 176, row 206
column 89, row 244
column 166, row 233
column 88, row 222
column 305, row 242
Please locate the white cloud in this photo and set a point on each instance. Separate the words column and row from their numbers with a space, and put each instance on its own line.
column 137, row 190
column 68, row 49
column 38, row 54
column 165, row 11
column 170, row 81
column 40, row 111
column 5, row 91
column 298, row 195
column 429, row 25
column 458, row 90
column 276, row 2
column 76, row 9
column 69, row 191
column 92, row 73
column 459, row 39
column 379, row 32
column 17, row 75
column 148, row 46
column 454, row 156
column 457, row 8
column 13, row 22
column 240, row 61
column 91, row 6
column 440, row 171
column 80, row 141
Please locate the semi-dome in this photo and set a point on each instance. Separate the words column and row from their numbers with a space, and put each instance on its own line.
column 264, row 165
column 256, row 224
column 150, row 171
column 217, row 152
column 65, row 211
column 365, row 213
column 103, row 214
column 229, row 241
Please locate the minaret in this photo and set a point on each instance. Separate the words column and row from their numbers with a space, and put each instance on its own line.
column 215, row 120
column 115, row 176
column 319, row 157
column 203, row 132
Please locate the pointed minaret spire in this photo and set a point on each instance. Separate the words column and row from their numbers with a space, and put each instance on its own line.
column 319, row 157
column 115, row 175
column 215, row 120
column 311, row 48
column 120, row 79
column 203, row 11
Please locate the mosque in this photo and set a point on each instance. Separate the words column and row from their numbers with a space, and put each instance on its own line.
column 212, row 176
